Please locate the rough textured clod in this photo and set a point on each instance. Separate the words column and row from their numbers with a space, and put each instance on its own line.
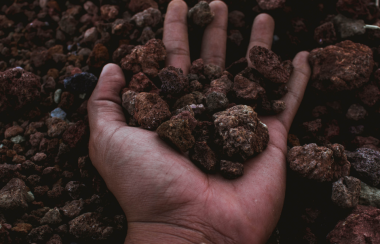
column 346, row 192
column 366, row 162
column 177, row 132
column 231, row 170
column 201, row 14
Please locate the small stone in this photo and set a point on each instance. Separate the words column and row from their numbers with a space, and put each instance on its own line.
column 75, row 133
column 356, row 112
column 145, row 58
column 68, row 24
column 72, row 209
column 89, row 226
column 325, row 34
column 341, row 67
column 90, row 35
column 80, row 83
column 216, row 101
column 369, row 95
column 231, row 170
column 22, row 228
column 271, row 4
column 348, row 27
column 74, row 189
column 140, row 5
column 14, row 196
column 212, row 71
column 361, row 226
column 109, row 12
column 146, row 35
column 201, row 14
column 57, row 96
column 278, row 106
column 39, row 234
column 319, row 163
column 186, row 115
column 369, row 196
column 99, row 56
column 173, row 81
column 239, row 133
column 150, row 110
column 346, row 192
column 197, row 67
column 129, row 101
column 52, row 217
column 202, row 155
column 366, row 162
column 178, row 133
column 18, row 139
column 13, row 131
column 150, row 17
column 58, row 113
column 236, row 19
column 270, row 65
column 246, row 90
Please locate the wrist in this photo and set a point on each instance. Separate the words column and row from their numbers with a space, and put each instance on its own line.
column 150, row 232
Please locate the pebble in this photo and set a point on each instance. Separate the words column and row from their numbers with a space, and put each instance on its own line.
column 18, row 139
column 58, row 113
column 57, row 95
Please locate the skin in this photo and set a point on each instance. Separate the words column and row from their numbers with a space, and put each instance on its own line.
column 165, row 197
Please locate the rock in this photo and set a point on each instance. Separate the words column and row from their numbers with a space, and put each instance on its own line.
column 360, row 226
column 90, row 35
column 369, row 94
column 150, row 110
column 201, row 14
column 150, row 17
column 356, row 9
column 98, row 57
column 90, row 8
column 145, row 58
column 18, row 139
column 55, row 239
column 346, row 192
column 348, row 27
column 341, row 67
column 212, row 71
column 271, row 4
column 39, row 234
column 68, row 24
column 231, row 170
column 239, row 133
column 247, row 91
column 369, row 196
column 197, row 67
column 8, row 171
column 146, row 35
column 186, row 115
column 325, row 34
column 189, row 99
column 109, row 12
column 75, row 134
column 88, row 226
column 56, row 127
column 18, row 89
column 141, row 83
column 129, row 101
column 203, row 156
column 178, row 133
column 366, row 162
column 236, row 19
column 22, row 228
column 121, row 52
column 73, row 208
column 52, row 217
column 15, row 195
column 356, row 112
column 269, row 65
column 74, row 189
column 319, row 163
column 216, row 101
column 13, row 131
column 140, row 5
column 58, row 113
column 173, row 81
column 57, row 95
column 81, row 83
column 235, row 37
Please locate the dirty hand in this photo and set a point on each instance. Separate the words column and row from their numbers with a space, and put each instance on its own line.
column 165, row 197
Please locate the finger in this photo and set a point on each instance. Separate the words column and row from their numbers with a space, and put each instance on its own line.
column 262, row 32
column 104, row 105
column 175, row 36
column 296, row 88
column 214, row 41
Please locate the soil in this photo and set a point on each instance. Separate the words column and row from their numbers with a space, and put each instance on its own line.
column 51, row 193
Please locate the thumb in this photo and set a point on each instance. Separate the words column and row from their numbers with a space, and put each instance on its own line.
column 104, row 106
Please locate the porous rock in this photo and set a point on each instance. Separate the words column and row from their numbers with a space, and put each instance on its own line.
column 319, row 163
column 145, row 58
column 202, row 155
column 239, row 132
column 231, row 170
column 341, row 67
column 369, row 196
column 201, row 14
column 149, row 17
column 52, row 217
column 15, row 195
column 271, row 4
column 88, row 226
column 270, row 65
column 346, row 192
column 173, row 81
column 247, row 90
column 361, row 226
column 18, row 89
column 348, row 27
column 366, row 162
column 81, row 83
column 150, row 110
column 177, row 132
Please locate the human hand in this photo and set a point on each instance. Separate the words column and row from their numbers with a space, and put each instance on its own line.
column 165, row 197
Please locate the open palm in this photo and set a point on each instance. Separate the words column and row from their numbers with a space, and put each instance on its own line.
column 165, row 197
